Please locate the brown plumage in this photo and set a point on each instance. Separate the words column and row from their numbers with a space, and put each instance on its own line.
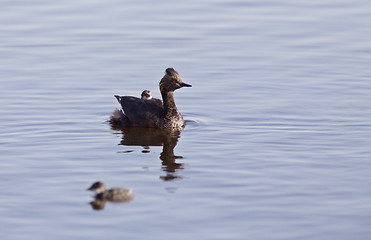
column 113, row 194
column 152, row 113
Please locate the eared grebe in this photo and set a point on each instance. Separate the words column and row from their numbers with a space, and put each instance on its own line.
column 113, row 194
column 146, row 95
column 152, row 112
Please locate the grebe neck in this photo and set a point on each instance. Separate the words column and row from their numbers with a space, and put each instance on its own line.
column 169, row 103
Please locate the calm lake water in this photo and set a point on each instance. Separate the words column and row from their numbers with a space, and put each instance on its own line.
column 278, row 137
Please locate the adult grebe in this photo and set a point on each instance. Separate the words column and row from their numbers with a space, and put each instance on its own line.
column 153, row 112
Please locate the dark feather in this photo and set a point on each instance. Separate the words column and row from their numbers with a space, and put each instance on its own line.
column 171, row 72
column 142, row 113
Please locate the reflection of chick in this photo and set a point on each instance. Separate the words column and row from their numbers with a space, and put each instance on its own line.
column 113, row 194
column 146, row 95
column 98, row 204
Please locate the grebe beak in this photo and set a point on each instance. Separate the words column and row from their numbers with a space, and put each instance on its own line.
column 185, row 85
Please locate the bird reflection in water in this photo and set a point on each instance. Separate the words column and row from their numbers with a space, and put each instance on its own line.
column 147, row 137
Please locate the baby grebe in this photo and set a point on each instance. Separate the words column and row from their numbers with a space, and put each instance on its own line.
column 146, row 95
column 153, row 112
column 113, row 194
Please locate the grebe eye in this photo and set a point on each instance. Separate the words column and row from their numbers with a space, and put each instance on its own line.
column 174, row 81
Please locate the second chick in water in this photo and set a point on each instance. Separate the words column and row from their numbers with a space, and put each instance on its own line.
column 113, row 194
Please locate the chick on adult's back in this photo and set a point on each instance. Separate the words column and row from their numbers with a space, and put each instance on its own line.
column 153, row 113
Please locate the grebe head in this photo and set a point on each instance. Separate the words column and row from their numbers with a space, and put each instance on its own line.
column 98, row 187
column 171, row 81
column 146, row 95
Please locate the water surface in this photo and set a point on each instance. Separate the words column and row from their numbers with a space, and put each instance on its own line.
column 277, row 142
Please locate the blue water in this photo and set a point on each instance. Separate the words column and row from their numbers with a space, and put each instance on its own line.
column 277, row 142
